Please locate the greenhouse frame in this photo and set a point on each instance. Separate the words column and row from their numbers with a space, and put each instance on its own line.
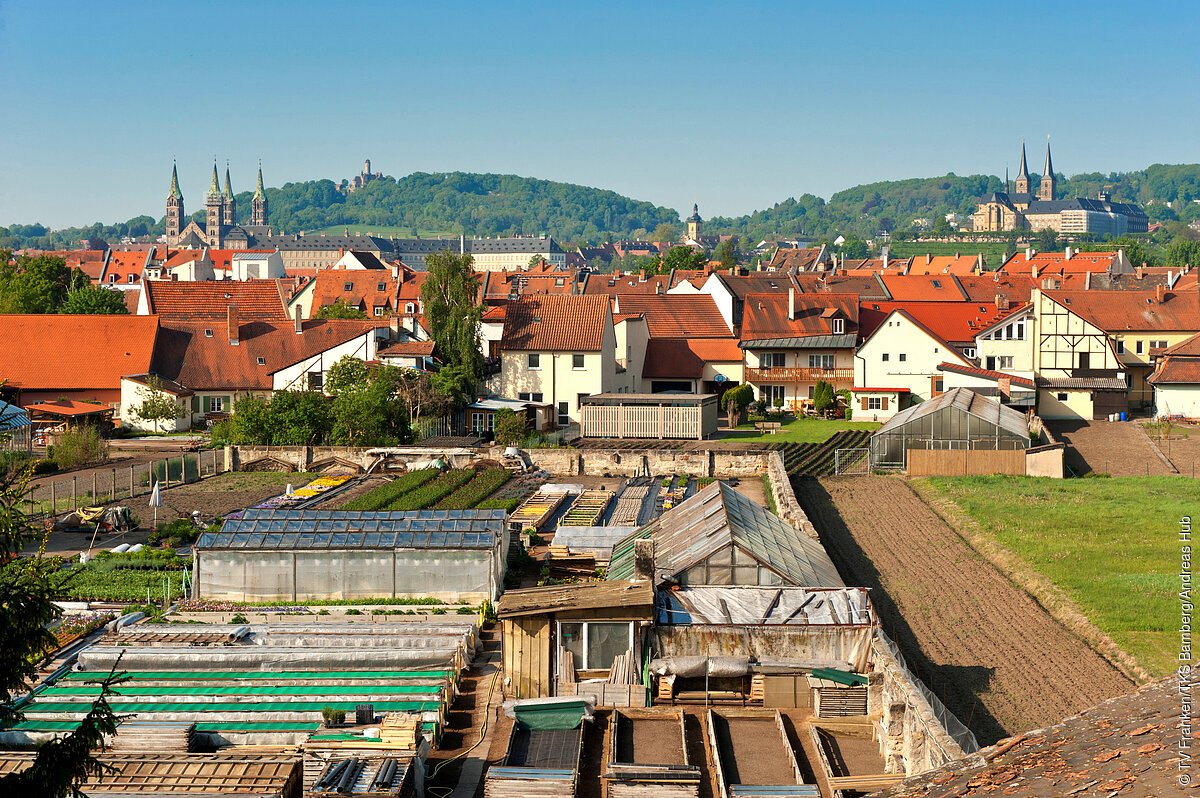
column 16, row 433
column 455, row 556
column 957, row 419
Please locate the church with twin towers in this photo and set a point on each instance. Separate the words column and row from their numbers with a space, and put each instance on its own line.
column 220, row 229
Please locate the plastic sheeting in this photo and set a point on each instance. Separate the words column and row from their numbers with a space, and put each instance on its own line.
column 716, row 667
column 265, row 658
column 770, row 606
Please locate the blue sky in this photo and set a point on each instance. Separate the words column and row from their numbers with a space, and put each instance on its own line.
column 735, row 106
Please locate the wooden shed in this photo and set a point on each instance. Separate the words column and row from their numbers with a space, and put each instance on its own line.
column 553, row 637
column 648, row 415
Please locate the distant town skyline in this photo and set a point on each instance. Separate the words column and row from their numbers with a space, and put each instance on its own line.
column 734, row 108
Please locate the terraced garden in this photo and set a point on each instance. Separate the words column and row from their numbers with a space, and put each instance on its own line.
column 819, row 459
column 456, row 489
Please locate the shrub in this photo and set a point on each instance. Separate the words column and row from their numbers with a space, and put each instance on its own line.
column 80, row 446
column 239, row 618
column 353, row 611
column 11, row 461
column 181, row 530
column 510, row 428
column 482, row 485
column 45, row 467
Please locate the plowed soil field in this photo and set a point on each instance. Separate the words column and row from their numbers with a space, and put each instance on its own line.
column 991, row 653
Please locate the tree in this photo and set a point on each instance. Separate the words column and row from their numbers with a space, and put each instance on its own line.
column 91, row 300
column 510, row 428
column 28, row 588
column 855, row 249
column 251, row 422
column 941, row 226
column 727, row 253
column 1046, row 240
column 1182, row 252
column 534, row 261
column 367, row 409
column 158, row 406
column 682, row 257
column 735, row 401
column 347, row 373
column 300, row 418
column 339, row 310
column 665, row 232
column 34, row 284
column 823, row 396
column 450, row 293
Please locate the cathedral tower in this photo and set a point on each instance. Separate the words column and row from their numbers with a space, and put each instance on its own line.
column 258, row 205
column 214, row 203
column 1049, row 184
column 694, row 224
column 1022, row 184
column 229, row 212
column 175, row 212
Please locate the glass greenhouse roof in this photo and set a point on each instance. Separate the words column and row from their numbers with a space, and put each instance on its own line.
column 336, row 529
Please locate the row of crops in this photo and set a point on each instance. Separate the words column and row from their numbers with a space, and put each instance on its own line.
column 819, row 459
column 157, row 573
column 456, row 489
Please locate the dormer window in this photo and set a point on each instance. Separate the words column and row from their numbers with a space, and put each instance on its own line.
column 348, row 287
column 112, row 278
column 839, row 326
column 409, row 307
column 208, row 333
column 380, row 286
column 262, row 361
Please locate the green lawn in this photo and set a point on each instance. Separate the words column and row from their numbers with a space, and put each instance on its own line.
column 1112, row 545
column 800, row 430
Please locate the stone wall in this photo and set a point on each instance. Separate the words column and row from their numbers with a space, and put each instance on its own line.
column 916, row 727
column 628, row 463
column 341, row 459
column 785, row 498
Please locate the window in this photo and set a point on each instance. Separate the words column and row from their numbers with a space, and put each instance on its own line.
column 1062, row 397
column 595, row 644
column 216, row 404
column 820, row 361
column 1004, row 362
column 380, row 286
column 885, row 357
column 483, row 422
column 968, row 351
column 564, row 414
column 1140, row 347
column 208, row 333
column 1158, row 344
column 1120, row 346
column 380, row 311
column 112, row 278
column 839, row 326
column 772, row 395
column 316, row 381
column 348, row 286
column 536, row 398
column 408, row 307
column 132, row 278
column 903, row 357
column 937, row 283
column 874, row 403
column 533, row 360
column 577, row 361
column 262, row 361
column 773, row 360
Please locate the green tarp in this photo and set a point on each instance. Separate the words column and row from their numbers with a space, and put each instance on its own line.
column 551, row 715
column 42, row 707
column 306, row 689
column 195, row 675
column 839, row 676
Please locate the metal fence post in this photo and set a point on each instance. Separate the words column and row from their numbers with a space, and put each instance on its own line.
column 114, row 484
column 53, row 500
column 74, row 496
column 95, row 489
column 132, row 489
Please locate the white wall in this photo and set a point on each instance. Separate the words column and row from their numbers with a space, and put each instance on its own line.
column 132, row 396
column 294, row 376
column 1177, row 400
column 922, row 353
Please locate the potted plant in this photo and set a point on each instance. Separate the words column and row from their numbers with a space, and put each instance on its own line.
column 333, row 717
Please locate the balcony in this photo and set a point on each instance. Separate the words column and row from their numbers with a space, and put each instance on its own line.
column 839, row 378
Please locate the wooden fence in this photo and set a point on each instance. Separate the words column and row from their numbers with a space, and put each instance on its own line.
column 965, row 462
column 608, row 421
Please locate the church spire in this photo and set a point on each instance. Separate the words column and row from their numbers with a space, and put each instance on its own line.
column 174, row 193
column 258, row 187
column 1021, row 185
column 1049, row 183
column 214, row 188
column 228, row 186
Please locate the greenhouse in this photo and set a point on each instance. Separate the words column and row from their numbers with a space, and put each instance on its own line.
column 957, row 419
column 455, row 556
column 15, row 430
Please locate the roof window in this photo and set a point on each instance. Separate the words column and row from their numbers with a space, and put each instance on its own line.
column 208, row 333
column 262, row 361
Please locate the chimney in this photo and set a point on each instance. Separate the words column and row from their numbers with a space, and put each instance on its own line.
column 1140, row 271
column 234, row 326
column 1001, row 301
column 1069, row 253
column 1028, row 253
column 643, row 561
column 979, row 263
column 791, row 304
column 299, row 323
column 1160, row 293
column 658, row 288
column 928, row 259
column 1033, row 271
column 1004, row 386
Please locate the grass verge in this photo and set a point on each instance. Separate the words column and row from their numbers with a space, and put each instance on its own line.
column 1111, row 546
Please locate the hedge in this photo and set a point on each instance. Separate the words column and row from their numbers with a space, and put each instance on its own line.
column 484, row 484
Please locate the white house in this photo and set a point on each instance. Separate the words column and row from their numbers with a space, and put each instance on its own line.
column 1176, row 381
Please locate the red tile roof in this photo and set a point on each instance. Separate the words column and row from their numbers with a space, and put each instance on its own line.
column 677, row 315
column 59, row 352
column 1177, row 370
column 923, row 288
column 201, row 362
column 556, row 323
column 503, row 284
column 794, row 259
column 866, row 286
column 367, row 289
column 124, row 265
column 407, row 349
column 944, row 264
column 766, row 315
column 988, row 374
column 676, row 358
column 606, row 283
column 985, row 287
column 1056, row 262
column 255, row 299
column 1114, row 311
column 952, row 322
